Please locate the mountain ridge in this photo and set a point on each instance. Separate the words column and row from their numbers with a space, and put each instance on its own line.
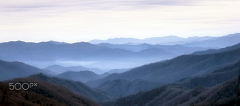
column 76, row 86
column 179, row 67
column 16, row 69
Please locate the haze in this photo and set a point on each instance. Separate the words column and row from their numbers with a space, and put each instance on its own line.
column 85, row 20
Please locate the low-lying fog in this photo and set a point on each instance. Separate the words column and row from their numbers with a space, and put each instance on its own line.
column 102, row 65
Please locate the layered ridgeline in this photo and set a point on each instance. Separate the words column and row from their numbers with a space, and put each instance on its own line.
column 177, row 68
column 76, row 86
column 167, row 40
column 60, row 69
column 48, row 53
column 176, row 49
column 224, row 94
column 52, row 51
column 44, row 94
column 211, row 51
column 191, row 90
column 219, row 42
column 11, row 70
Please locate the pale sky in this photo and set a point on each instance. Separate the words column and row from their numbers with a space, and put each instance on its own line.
column 84, row 20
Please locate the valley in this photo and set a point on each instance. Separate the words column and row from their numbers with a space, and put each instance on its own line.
column 185, row 76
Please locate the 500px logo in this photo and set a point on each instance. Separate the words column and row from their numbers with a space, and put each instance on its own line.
column 19, row 86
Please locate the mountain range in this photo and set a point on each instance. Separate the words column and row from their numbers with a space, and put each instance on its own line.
column 219, row 42
column 215, row 42
column 174, row 49
column 167, row 40
column 84, row 54
column 176, row 68
column 11, row 70
column 187, row 78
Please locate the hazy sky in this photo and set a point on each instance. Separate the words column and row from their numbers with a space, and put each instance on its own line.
column 84, row 20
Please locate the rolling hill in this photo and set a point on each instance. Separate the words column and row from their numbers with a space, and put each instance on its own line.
column 76, row 86
column 121, row 87
column 214, row 78
column 11, row 70
column 44, row 94
column 224, row 94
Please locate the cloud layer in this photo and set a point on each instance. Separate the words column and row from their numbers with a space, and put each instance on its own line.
column 83, row 20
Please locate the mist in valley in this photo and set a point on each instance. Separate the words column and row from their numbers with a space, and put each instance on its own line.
column 119, row 53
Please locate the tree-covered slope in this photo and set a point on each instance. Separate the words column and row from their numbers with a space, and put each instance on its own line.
column 11, row 70
column 178, row 96
column 177, row 68
column 44, row 94
column 120, row 87
column 76, row 86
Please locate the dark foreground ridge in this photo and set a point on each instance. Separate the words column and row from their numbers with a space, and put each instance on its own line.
column 45, row 94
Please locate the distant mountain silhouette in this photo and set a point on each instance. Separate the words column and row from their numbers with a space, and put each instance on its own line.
column 211, row 51
column 174, row 49
column 177, row 68
column 44, row 94
column 48, row 53
column 76, row 86
column 82, row 76
column 11, row 70
column 167, row 40
column 60, row 69
column 121, row 87
column 219, row 42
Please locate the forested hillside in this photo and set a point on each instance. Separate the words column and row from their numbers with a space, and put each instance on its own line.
column 44, row 94
column 76, row 86
column 223, row 94
column 177, row 68
column 9, row 70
